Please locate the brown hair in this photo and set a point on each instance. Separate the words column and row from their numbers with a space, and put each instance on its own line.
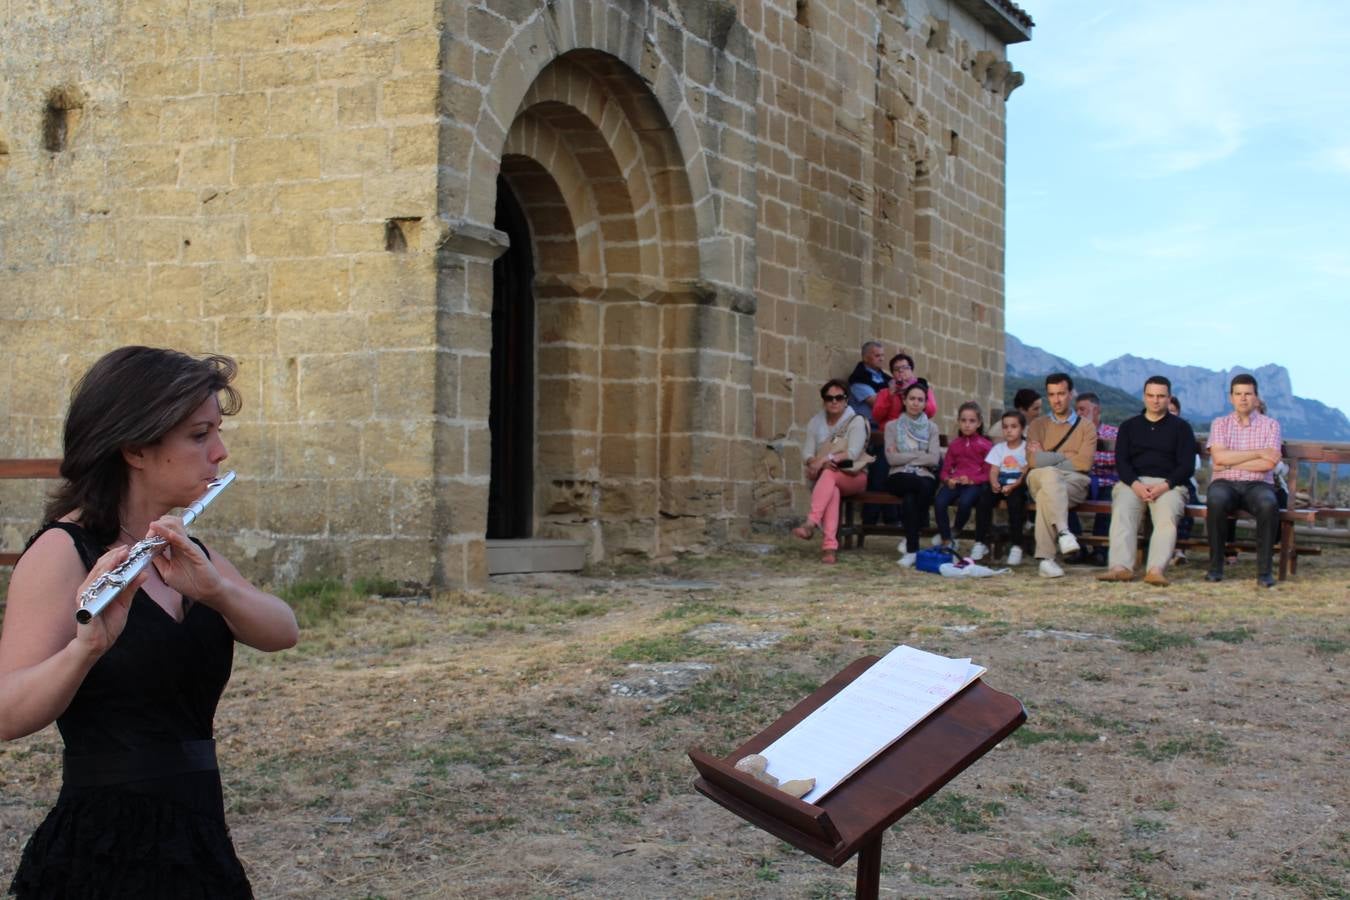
column 834, row 382
column 979, row 414
column 131, row 397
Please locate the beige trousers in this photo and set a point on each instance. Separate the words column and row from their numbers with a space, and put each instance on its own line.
column 1054, row 491
column 1126, row 511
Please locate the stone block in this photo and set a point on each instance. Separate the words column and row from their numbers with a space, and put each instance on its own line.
column 234, row 288
column 318, row 449
column 568, row 404
column 390, row 282
column 355, row 151
column 416, row 508
column 259, row 160
column 404, row 384
column 336, row 388
column 629, row 407
column 289, row 236
column 568, row 456
column 175, row 292
column 294, row 507
column 212, row 240
column 308, row 285
column 253, row 34
column 396, row 559
column 631, row 363
column 187, row 119
column 204, row 166
column 415, row 146
column 306, row 334
column 301, row 110
column 411, row 95
column 401, row 449
column 628, row 456
column 356, row 104
column 450, row 449
column 336, row 25
column 291, row 68
column 568, row 320
column 403, row 329
column 159, row 79
column 317, row 197
column 361, row 506
column 472, row 331
column 397, row 17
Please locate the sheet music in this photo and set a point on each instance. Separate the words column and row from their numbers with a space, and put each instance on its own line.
column 898, row 692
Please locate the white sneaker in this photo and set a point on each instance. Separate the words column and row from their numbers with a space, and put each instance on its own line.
column 1015, row 556
column 1067, row 544
column 936, row 541
column 901, row 547
column 907, row 561
column 1050, row 569
column 980, row 551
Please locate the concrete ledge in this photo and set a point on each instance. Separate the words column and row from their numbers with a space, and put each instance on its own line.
column 505, row 557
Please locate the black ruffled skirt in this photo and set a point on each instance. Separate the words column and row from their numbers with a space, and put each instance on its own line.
column 160, row 839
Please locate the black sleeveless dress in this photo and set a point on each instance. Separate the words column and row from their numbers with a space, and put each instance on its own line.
column 140, row 812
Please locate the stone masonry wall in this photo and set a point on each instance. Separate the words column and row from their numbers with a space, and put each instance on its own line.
column 725, row 200
column 882, row 197
column 256, row 178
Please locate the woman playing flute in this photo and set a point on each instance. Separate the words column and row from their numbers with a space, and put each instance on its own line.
column 134, row 691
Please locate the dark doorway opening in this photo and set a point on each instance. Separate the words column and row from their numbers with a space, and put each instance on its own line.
column 511, row 411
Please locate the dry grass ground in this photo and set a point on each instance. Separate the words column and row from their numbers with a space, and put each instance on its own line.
column 515, row 742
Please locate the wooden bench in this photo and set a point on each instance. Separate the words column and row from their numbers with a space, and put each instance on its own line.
column 26, row 468
column 1297, row 454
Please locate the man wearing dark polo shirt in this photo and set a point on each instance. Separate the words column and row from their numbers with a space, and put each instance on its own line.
column 1155, row 459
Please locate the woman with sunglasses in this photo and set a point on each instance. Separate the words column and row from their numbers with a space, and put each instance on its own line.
column 831, row 470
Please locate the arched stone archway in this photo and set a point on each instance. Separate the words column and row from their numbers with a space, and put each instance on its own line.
column 642, row 290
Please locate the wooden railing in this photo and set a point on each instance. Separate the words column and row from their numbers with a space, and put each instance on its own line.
column 26, row 468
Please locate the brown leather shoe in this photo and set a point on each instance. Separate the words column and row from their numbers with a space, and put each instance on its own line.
column 1116, row 573
column 1156, row 578
column 804, row 531
column 828, row 558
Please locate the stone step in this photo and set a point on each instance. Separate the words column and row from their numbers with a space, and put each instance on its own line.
column 505, row 557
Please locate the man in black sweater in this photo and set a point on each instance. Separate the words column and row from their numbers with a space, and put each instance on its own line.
column 1155, row 459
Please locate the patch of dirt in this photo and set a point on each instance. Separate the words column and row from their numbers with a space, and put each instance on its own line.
column 1184, row 742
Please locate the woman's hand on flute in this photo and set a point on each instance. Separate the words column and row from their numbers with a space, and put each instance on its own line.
column 182, row 565
column 256, row 617
column 102, row 631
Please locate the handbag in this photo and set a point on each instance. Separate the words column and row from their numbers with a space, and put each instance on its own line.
column 932, row 559
column 838, row 445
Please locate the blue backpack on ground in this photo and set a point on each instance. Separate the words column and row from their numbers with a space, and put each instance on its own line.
column 932, row 559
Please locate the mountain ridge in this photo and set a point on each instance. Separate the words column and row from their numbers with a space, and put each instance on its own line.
column 1203, row 392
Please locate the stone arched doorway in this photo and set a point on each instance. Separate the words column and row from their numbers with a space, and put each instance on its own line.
column 606, row 202
column 642, row 240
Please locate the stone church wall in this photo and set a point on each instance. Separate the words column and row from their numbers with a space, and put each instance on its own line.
column 725, row 201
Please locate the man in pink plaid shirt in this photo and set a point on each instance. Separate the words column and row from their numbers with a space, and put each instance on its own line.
column 1244, row 447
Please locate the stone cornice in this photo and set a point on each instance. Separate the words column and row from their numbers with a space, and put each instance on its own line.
column 1005, row 20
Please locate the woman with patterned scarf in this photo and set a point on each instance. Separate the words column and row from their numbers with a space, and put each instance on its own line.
column 912, row 453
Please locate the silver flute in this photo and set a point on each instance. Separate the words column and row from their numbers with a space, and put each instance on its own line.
column 107, row 586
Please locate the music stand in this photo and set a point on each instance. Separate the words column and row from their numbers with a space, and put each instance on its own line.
column 854, row 817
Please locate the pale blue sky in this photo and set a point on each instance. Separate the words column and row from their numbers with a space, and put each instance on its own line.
column 1179, row 185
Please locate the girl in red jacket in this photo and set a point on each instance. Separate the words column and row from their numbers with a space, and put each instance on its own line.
column 963, row 475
